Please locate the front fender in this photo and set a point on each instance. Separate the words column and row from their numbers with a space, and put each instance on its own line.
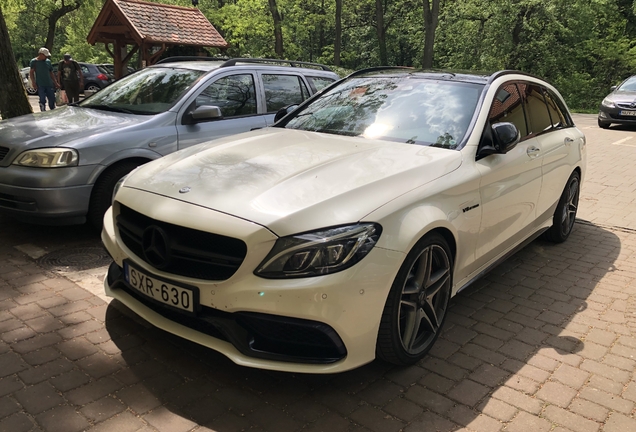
column 142, row 154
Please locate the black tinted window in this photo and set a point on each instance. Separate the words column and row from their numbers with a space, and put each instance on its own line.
column 234, row 94
column 508, row 107
column 558, row 113
column 283, row 90
column 536, row 109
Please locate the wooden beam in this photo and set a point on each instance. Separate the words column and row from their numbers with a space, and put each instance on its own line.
column 112, row 29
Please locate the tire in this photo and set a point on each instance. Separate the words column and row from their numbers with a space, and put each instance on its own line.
column 565, row 212
column 417, row 303
column 102, row 194
column 603, row 125
column 92, row 87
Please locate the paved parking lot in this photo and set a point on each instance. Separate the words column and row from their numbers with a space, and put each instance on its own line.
column 546, row 342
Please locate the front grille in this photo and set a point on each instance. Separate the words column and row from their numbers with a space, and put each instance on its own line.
column 628, row 105
column 3, row 152
column 193, row 253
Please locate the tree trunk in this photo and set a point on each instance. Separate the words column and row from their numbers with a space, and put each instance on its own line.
column 431, row 19
column 13, row 99
column 55, row 16
column 379, row 27
column 337, row 45
column 278, row 28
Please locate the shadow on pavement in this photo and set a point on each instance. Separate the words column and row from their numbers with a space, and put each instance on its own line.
column 521, row 326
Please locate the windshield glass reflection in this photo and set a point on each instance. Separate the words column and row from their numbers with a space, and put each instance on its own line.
column 149, row 91
column 403, row 109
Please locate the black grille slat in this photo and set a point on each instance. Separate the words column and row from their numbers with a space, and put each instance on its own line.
column 3, row 152
column 196, row 254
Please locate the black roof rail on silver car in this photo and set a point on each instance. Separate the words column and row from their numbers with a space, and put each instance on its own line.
column 234, row 61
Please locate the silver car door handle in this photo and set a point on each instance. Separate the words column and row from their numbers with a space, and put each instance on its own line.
column 567, row 141
column 533, row 151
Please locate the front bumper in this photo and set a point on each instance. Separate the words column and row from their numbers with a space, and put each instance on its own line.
column 613, row 115
column 322, row 324
column 46, row 195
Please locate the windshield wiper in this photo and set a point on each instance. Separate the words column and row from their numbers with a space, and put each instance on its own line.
column 109, row 108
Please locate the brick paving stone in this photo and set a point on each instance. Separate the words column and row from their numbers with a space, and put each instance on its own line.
column 571, row 359
column 609, row 372
column 493, row 331
column 429, row 421
column 488, row 342
column 77, row 348
column 375, row 419
column 44, row 355
column 18, row 422
column 63, row 418
column 619, row 423
column 380, row 393
column 465, row 361
column 403, row 409
column 556, row 393
column 607, row 400
column 525, row 422
column 437, row 383
column 523, row 384
column 468, row 392
column 45, row 324
column 497, row 409
column 459, row 335
column 36, row 342
column 28, row 312
column 571, row 376
column 99, row 365
column 619, row 362
column 103, row 409
column 406, row 376
column 8, row 406
column 69, row 380
column 630, row 392
column 443, row 348
column 76, row 330
column 92, row 391
column 443, row 368
column 46, row 371
column 569, row 420
column 601, row 337
column 18, row 334
column 11, row 363
column 483, row 354
column 38, row 398
column 124, row 422
column 428, row 399
column 607, row 385
column 488, row 375
column 138, row 398
column 518, row 399
column 623, row 351
column 76, row 318
column 588, row 409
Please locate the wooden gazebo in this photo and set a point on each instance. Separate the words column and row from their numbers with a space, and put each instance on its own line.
column 150, row 28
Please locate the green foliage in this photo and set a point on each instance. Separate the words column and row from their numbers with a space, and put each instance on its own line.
column 581, row 46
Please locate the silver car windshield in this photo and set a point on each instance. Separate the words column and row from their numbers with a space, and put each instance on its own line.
column 629, row 84
column 148, row 91
column 404, row 109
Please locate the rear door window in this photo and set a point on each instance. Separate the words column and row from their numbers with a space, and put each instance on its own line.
column 235, row 95
column 283, row 90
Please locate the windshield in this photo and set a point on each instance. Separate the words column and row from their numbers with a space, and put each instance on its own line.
column 629, row 84
column 405, row 109
column 149, row 91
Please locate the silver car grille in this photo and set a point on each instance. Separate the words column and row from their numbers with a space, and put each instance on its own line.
column 627, row 105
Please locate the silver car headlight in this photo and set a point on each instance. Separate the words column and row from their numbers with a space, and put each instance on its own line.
column 318, row 253
column 608, row 103
column 48, row 158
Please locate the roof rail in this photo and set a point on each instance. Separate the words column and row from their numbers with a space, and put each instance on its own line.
column 233, row 61
column 377, row 68
column 190, row 58
column 293, row 63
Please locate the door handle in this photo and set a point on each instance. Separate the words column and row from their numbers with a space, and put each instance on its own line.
column 533, row 151
column 567, row 141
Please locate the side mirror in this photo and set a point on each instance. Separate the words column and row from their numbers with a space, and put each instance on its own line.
column 612, row 88
column 206, row 112
column 284, row 111
column 499, row 138
column 506, row 136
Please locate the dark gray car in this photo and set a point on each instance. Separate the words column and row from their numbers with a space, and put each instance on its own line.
column 61, row 166
column 619, row 106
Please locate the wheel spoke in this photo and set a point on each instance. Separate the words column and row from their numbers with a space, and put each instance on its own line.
column 437, row 281
column 430, row 318
column 411, row 322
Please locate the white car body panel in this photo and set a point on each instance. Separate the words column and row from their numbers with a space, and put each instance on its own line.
column 275, row 182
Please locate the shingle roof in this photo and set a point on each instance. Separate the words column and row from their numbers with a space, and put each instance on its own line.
column 162, row 23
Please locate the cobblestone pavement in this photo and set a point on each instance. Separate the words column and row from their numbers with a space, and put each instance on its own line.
column 546, row 342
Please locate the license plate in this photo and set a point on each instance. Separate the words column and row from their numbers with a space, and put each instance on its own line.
column 628, row 113
column 160, row 290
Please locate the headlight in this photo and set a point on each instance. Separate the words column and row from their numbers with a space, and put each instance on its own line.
column 48, row 158
column 608, row 103
column 319, row 252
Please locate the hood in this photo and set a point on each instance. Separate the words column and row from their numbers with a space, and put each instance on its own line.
column 293, row 181
column 623, row 96
column 61, row 127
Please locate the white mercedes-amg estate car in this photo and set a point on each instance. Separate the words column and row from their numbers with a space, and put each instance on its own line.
column 339, row 235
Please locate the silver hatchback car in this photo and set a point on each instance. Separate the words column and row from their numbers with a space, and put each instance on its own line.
column 61, row 166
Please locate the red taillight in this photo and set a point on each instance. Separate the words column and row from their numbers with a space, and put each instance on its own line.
column 102, row 77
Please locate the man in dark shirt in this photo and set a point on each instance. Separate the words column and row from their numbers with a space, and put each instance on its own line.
column 69, row 74
column 43, row 79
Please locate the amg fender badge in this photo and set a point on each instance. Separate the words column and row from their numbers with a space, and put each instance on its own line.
column 465, row 209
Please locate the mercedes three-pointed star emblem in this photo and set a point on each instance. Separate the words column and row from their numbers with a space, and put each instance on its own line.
column 156, row 247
